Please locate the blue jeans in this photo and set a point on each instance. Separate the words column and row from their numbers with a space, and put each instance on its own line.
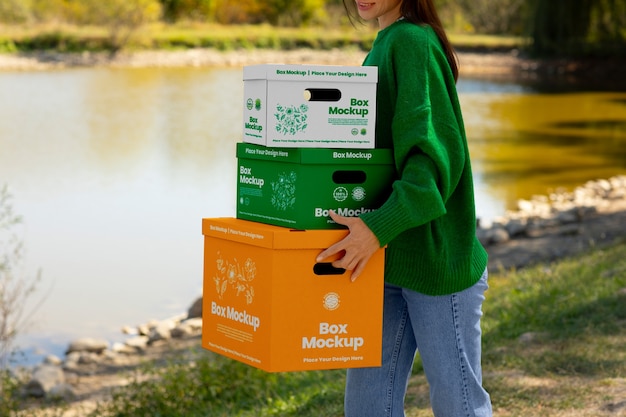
column 446, row 332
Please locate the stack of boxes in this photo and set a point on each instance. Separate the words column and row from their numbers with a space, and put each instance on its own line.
column 308, row 147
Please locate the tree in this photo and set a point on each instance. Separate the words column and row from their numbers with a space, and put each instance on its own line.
column 175, row 10
column 242, row 11
column 122, row 18
column 14, row 11
column 492, row 16
column 559, row 26
column 292, row 12
column 275, row 12
column 577, row 27
column 608, row 24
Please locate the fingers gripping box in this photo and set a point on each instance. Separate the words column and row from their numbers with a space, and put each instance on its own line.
column 296, row 187
column 314, row 106
column 267, row 303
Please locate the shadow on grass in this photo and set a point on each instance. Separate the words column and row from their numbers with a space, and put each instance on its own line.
column 568, row 318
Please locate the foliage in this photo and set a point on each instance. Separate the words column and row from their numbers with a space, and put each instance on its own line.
column 122, row 18
column 243, row 11
column 175, row 10
column 276, row 12
column 7, row 46
column 9, row 392
column 216, row 386
column 14, row 11
column 47, row 10
column 494, row 16
column 578, row 27
column 293, row 12
column 559, row 25
column 608, row 23
column 184, row 36
column 15, row 288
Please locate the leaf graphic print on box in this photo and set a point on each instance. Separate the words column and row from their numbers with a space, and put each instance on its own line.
column 291, row 119
column 284, row 191
column 235, row 276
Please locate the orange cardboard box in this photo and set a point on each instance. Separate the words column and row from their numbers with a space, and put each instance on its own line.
column 267, row 303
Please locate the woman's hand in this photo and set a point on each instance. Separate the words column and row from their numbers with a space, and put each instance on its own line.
column 358, row 246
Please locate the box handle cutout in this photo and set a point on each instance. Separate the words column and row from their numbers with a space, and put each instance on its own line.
column 327, row 268
column 322, row 94
column 349, row 177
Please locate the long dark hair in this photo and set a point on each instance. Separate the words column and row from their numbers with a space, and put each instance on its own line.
column 419, row 12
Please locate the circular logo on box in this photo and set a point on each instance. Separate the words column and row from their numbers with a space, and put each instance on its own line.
column 340, row 194
column 358, row 193
column 253, row 104
column 331, row 301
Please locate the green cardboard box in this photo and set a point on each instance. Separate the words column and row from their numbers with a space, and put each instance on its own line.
column 295, row 187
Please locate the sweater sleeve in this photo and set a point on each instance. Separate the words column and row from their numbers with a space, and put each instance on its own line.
column 425, row 136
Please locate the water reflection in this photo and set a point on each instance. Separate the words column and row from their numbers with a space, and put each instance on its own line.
column 112, row 170
column 526, row 144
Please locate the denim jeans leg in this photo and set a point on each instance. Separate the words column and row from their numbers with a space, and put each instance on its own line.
column 380, row 391
column 448, row 335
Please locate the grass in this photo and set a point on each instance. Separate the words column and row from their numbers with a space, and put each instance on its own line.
column 69, row 38
column 554, row 338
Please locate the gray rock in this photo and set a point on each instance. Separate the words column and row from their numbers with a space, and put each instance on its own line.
column 187, row 328
column 138, row 343
column 162, row 331
column 62, row 391
column 43, row 380
column 88, row 344
column 52, row 360
column 195, row 310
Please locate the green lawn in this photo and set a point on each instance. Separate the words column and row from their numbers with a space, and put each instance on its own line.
column 554, row 338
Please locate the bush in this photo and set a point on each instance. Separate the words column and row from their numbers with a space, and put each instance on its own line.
column 217, row 386
column 15, row 289
column 14, row 11
column 122, row 18
column 176, row 10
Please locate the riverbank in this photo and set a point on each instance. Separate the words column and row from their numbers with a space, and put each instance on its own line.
column 501, row 64
column 492, row 63
column 544, row 230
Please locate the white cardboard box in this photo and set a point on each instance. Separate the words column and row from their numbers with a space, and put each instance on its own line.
column 310, row 106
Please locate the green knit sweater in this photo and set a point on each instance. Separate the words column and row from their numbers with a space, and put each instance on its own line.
column 428, row 223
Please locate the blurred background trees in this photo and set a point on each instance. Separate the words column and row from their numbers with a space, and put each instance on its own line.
column 553, row 28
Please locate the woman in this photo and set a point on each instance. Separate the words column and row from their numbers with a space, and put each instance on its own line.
column 435, row 268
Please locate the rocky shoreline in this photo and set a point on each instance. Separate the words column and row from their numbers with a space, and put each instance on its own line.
column 510, row 65
column 562, row 224
column 495, row 63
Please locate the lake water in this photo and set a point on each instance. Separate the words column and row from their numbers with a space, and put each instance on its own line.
column 112, row 171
